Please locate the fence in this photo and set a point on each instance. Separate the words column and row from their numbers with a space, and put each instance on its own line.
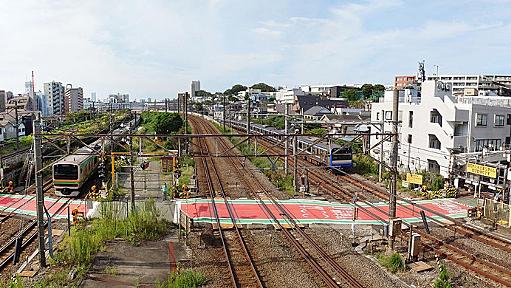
column 496, row 211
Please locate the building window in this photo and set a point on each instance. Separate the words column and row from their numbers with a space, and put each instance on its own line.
column 388, row 115
column 434, row 143
column 409, row 138
column 490, row 144
column 481, row 119
column 410, row 119
column 435, row 117
column 433, row 166
column 377, row 115
column 499, row 120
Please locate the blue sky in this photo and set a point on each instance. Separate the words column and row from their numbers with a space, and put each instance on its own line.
column 155, row 48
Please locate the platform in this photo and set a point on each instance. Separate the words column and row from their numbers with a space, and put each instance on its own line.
column 26, row 205
column 315, row 211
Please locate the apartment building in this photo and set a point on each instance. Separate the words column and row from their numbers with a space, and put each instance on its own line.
column 436, row 123
column 73, row 99
column 477, row 85
column 194, row 87
column 400, row 82
column 119, row 101
column 54, row 92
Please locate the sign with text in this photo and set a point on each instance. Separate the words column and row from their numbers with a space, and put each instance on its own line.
column 482, row 170
column 414, row 178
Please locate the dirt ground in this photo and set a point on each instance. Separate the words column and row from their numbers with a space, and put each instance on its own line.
column 125, row 265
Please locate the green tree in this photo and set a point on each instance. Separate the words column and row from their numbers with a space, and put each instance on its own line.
column 263, row 87
column 231, row 98
column 443, row 278
column 367, row 90
column 350, row 95
column 203, row 93
column 166, row 123
column 378, row 88
column 198, row 106
column 235, row 89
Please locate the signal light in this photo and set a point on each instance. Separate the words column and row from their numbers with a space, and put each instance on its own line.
column 144, row 165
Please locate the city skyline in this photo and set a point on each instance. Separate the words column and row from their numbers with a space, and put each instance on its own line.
column 156, row 50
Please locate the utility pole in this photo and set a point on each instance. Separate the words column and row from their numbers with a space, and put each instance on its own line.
column 286, row 143
column 248, row 116
column 186, row 120
column 295, row 162
column 179, row 103
column 393, row 162
column 223, row 115
column 17, row 125
column 382, row 130
column 111, row 129
column 38, row 158
column 132, row 173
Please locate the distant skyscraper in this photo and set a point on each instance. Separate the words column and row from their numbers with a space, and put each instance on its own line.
column 42, row 102
column 54, row 92
column 194, row 87
column 93, row 96
column 73, row 99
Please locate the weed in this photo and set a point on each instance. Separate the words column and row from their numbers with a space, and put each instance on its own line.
column 443, row 278
column 111, row 270
column 186, row 278
column 393, row 263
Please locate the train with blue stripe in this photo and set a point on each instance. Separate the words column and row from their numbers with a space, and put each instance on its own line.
column 321, row 153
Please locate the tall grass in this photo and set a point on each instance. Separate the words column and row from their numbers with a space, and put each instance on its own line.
column 393, row 262
column 84, row 243
column 183, row 279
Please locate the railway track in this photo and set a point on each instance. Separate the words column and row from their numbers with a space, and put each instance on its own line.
column 472, row 262
column 242, row 273
column 5, row 215
column 327, row 268
column 27, row 235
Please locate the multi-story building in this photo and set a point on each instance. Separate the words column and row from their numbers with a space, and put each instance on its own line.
column 119, row 101
column 3, row 100
column 195, row 86
column 42, row 103
column 288, row 95
column 474, row 85
column 435, row 123
column 54, row 92
column 400, row 82
column 73, row 99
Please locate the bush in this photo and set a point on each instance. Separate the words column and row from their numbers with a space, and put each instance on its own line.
column 365, row 165
column 84, row 243
column 186, row 278
column 393, row 263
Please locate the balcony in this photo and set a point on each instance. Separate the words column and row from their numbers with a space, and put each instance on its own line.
column 459, row 141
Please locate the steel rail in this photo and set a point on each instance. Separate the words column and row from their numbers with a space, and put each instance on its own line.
column 328, row 280
column 234, row 277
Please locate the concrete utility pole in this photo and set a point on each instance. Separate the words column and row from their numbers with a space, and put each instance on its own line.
column 286, row 143
column 382, row 130
column 132, row 173
column 38, row 158
column 223, row 115
column 295, row 162
column 17, row 125
column 393, row 165
column 248, row 116
column 179, row 103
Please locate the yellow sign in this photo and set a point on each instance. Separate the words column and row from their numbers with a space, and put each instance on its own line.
column 482, row 170
column 414, row 178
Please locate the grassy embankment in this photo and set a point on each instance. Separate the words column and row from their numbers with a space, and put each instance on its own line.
column 77, row 252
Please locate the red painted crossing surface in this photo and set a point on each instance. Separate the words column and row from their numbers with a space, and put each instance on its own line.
column 309, row 211
column 26, row 205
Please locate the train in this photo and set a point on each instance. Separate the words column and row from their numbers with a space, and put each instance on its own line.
column 71, row 172
column 321, row 153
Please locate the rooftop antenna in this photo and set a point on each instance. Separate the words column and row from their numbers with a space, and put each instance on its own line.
column 421, row 73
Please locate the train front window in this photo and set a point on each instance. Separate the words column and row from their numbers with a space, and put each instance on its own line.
column 341, row 154
column 65, row 171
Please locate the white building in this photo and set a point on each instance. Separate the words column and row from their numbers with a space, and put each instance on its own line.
column 474, row 85
column 253, row 94
column 194, row 87
column 435, row 122
column 73, row 99
column 284, row 96
column 119, row 101
column 54, row 92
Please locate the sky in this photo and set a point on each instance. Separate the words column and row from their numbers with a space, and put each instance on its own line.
column 155, row 48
